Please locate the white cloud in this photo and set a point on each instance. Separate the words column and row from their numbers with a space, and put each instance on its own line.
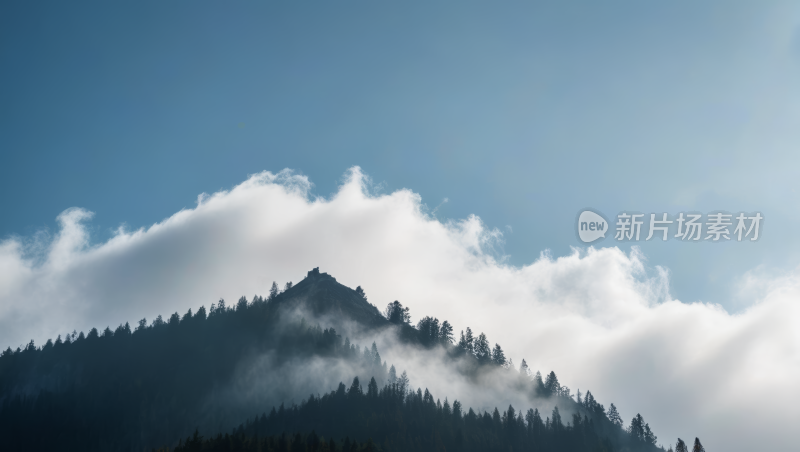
column 598, row 317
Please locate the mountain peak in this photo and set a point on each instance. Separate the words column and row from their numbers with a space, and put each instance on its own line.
column 315, row 274
column 321, row 294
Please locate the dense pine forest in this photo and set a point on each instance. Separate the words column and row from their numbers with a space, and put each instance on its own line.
column 395, row 419
column 166, row 385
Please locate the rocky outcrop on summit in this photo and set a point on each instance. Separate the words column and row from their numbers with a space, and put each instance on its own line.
column 319, row 294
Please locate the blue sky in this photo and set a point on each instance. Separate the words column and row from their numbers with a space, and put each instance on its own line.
column 522, row 113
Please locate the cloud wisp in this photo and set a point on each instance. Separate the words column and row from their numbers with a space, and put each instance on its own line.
column 598, row 317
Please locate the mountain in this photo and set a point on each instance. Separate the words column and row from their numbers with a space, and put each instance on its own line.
column 321, row 296
column 205, row 373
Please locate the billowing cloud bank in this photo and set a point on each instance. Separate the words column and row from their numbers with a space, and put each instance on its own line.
column 596, row 317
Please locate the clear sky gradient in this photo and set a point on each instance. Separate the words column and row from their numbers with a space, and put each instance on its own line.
column 522, row 113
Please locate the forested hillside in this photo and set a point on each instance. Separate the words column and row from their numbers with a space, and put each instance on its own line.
column 395, row 419
column 167, row 384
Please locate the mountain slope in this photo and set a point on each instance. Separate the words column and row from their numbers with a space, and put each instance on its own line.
column 134, row 389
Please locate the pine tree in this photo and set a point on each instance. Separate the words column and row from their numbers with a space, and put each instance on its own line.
column 456, row 410
column 446, row 333
column 538, row 383
column 697, row 446
column 396, row 313
column 613, row 415
column 403, row 383
column 463, row 345
column 241, row 305
column 355, row 389
column 649, row 436
column 392, row 375
column 429, row 327
column 273, row 291
column 589, row 402
column 482, row 349
column 538, row 425
column 524, row 370
column 529, row 418
column 556, row 423
column 444, row 408
column 509, row 419
column 681, row 446
column 287, row 286
column 376, row 357
column 372, row 388
column 434, row 330
column 360, row 293
column 636, row 429
column 498, row 357
column 551, row 385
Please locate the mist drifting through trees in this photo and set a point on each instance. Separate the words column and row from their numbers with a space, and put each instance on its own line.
column 172, row 384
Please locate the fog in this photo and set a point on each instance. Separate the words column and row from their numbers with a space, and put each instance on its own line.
column 602, row 319
column 264, row 380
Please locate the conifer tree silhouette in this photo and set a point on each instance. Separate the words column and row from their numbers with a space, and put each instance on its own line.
column 697, row 446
